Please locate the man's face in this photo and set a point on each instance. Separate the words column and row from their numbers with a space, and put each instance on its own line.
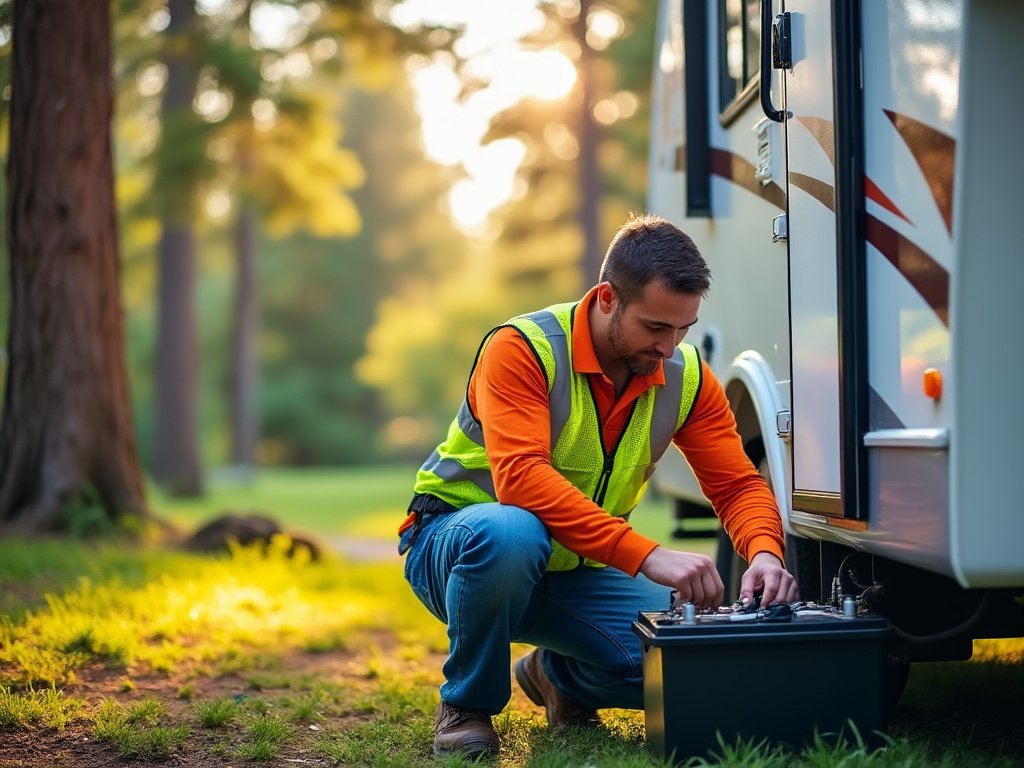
column 650, row 328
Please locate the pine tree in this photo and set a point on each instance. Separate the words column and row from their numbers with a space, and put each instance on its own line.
column 67, row 444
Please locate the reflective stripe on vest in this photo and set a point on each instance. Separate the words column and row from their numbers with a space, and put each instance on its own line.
column 451, row 469
column 458, row 471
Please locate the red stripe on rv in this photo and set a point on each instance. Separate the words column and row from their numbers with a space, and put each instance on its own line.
column 872, row 192
column 926, row 275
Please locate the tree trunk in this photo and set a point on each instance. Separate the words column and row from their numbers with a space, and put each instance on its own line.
column 176, row 465
column 245, row 315
column 66, row 429
column 244, row 362
column 590, row 180
column 176, row 453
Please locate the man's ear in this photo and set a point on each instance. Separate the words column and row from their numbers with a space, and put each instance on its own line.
column 607, row 298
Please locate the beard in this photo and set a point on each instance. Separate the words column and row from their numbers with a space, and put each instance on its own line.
column 638, row 363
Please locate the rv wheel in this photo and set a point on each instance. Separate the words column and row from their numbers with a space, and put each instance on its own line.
column 895, row 675
column 729, row 564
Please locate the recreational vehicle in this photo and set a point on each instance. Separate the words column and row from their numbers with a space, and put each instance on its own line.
column 852, row 172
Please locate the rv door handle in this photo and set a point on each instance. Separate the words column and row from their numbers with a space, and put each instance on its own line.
column 779, row 33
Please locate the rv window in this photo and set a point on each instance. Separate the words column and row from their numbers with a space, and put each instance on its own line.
column 739, row 49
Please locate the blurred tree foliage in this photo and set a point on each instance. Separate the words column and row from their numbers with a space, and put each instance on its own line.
column 620, row 103
column 371, row 303
column 277, row 177
column 428, row 331
column 271, row 155
column 321, row 300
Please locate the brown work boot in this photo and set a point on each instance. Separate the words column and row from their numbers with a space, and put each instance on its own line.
column 562, row 711
column 465, row 732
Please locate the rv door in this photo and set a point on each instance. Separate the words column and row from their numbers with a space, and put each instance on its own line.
column 816, row 46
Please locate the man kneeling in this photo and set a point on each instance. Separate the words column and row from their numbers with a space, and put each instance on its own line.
column 518, row 511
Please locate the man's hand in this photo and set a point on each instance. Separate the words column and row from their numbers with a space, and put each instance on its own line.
column 768, row 576
column 693, row 576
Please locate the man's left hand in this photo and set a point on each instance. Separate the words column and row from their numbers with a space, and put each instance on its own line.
column 768, row 576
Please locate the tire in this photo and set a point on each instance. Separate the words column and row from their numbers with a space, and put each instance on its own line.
column 728, row 562
column 895, row 674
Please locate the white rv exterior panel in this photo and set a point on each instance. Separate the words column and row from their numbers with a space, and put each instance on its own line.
column 906, row 338
column 987, row 303
column 815, row 332
column 911, row 490
column 812, row 252
column 665, row 179
column 747, row 306
column 944, row 260
column 911, row 68
column 911, row 65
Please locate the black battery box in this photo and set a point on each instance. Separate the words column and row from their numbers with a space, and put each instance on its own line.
column 784, row 679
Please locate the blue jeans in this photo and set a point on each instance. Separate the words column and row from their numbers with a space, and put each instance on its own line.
column 481, row 570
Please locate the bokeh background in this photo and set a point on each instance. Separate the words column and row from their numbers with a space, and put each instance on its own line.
column 330, row 203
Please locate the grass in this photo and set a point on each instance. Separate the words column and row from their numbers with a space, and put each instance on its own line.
column 170, row 608
column 365, row 502
column 149, row 654
column 266, row 737
column 48, row 708
column 354, row 501
column 136, row 731
column 217, row 713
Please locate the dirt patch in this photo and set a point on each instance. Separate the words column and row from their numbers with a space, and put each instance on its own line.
column 282, row 677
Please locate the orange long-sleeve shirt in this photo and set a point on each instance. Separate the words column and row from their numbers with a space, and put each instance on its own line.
column 508, row 393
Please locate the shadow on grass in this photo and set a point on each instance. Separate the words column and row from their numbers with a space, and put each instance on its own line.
column 966, row 707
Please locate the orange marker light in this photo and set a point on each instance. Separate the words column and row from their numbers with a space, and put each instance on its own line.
column 932, row 383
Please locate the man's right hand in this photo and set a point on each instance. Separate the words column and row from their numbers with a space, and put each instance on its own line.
column 693, row 576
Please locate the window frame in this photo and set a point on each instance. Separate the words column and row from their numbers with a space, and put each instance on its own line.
column 730, row 109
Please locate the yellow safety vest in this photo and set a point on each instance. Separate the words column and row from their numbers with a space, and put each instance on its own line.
column 614, row 477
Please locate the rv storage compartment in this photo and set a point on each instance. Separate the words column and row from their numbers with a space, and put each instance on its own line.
column 781, row 681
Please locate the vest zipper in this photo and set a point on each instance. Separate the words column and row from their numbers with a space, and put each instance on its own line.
column 601, row 490
column 602, row 483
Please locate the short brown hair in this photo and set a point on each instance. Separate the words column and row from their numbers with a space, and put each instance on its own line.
column 648, row 247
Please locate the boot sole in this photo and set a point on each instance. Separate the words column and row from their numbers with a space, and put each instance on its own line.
column 471, row 751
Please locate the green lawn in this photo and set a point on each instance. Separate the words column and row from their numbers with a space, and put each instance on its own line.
column 359, row 501
column 363, row 502
column 145, row 654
